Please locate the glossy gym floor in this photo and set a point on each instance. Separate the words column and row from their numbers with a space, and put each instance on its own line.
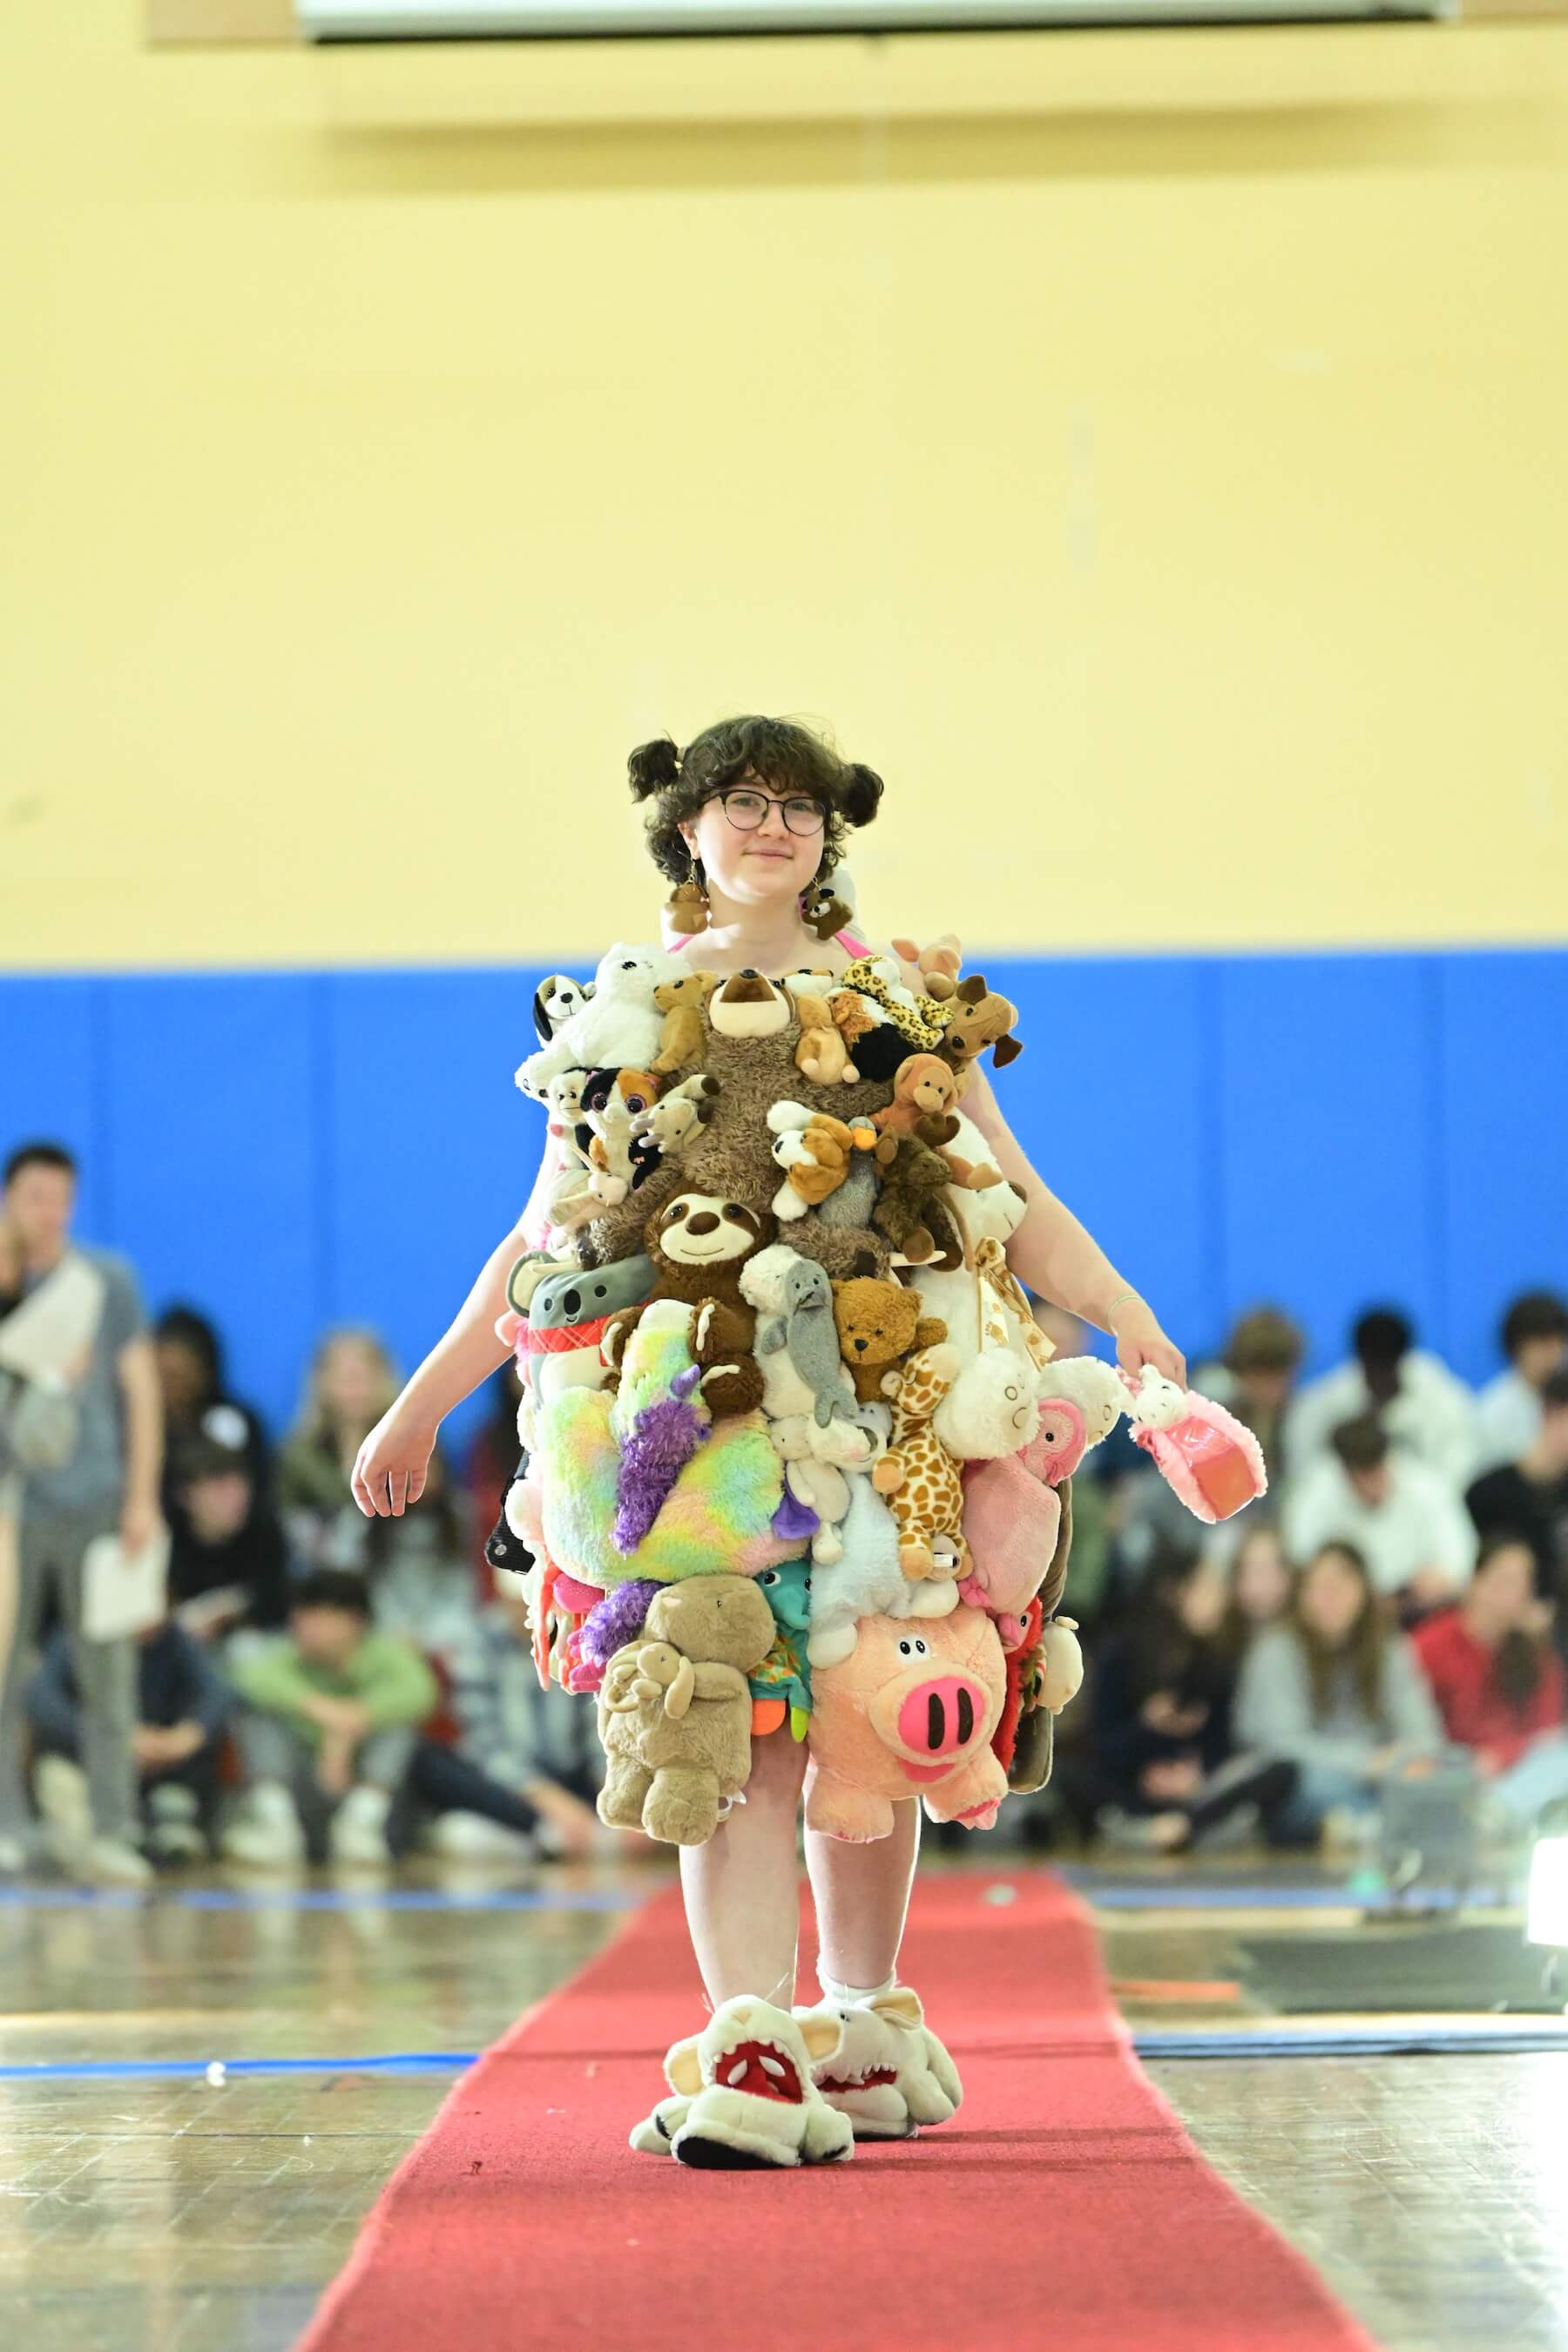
column 145, row 2205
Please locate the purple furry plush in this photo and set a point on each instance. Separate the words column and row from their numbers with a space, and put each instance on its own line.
column 663, row 1439
column 617, row 1619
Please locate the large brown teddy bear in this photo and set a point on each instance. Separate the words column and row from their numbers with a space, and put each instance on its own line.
column 699, row 1241
column 675, row 1708
column 880, row 1326
column 752, row 1031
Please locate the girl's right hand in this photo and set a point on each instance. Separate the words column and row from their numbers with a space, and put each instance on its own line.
column 389, row 1470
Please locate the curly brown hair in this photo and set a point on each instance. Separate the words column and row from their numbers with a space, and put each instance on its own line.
column 778, row 751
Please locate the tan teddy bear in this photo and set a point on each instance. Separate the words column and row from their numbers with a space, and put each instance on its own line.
column 923, row 1088
column 682, row 1001
column 675, row 1709
column 880, row 1324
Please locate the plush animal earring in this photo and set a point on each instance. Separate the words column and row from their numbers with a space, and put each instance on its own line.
column 822, row 910
column 687, row 905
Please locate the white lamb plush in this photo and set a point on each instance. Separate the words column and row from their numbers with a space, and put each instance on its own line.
column 867, row 1578
column 617, row 1029
column 991, row 1408
column 1095, row 1387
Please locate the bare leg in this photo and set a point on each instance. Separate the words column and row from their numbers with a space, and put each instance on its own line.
column 862, row 1893
column 743, row 1905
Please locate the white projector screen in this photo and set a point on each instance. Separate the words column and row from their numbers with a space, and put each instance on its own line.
column 427, row 20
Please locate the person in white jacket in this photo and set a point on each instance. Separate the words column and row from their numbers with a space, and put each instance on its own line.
column 1508, row 1410
column 1413, row 1532
column 1427, row 1411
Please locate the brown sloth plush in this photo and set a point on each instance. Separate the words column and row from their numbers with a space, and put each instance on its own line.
column 699, row 1241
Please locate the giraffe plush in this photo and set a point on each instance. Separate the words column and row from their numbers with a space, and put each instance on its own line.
column 919, row 1475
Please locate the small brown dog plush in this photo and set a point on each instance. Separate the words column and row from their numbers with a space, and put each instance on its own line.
column 880, row 1324
column 980, row 1017
column 682, row 1038
column 675, row 1709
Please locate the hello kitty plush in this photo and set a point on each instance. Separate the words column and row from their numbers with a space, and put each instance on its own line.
column 1210, row 1460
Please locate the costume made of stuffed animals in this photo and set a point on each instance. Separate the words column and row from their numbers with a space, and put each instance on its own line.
column 797, row 1460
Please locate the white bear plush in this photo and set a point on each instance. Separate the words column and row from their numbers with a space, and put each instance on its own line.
column 617, row 1029
column 867, row 1580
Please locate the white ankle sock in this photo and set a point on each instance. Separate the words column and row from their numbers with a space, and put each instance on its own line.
column 832, row 1990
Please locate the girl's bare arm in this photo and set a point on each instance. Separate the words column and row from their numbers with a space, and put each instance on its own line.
column 389, row 1474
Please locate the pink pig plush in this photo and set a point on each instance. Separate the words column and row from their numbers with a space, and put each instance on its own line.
column 908, row 1714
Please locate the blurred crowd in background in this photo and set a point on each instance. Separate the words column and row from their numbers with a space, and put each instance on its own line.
column 341, row 1689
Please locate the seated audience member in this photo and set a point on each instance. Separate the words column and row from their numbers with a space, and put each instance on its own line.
column 1254, row 1379
column 1508, row 1410
column 349, row 1387
column 1405, row 1520
column 1428, row 1413
column 197, row 1402
column 419, row 1565
column 529, row 1738
column 488, row 1467
column 1498, row 1682
column 332, row 1714
column 1158, row 1773
column 1261, row 1585
column 1530, row 1497
column 230, row 1568
column 181, row 1709
column 1336, row 1691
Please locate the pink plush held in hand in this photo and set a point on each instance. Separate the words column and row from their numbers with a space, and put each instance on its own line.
column 1209, row 1458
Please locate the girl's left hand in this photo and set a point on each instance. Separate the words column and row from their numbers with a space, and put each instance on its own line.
column 1139, row 1342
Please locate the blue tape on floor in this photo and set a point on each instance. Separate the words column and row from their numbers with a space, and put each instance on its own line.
column 1430, row 2042
column 165, row 2070
column 314, row 1898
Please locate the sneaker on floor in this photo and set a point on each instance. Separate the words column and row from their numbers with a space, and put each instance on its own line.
column 112, row 1862
column 358, row 1834
column 12, row 1857
column 267, row 1834
column 1138, row 1832
column 750, row 2102
column 61, row 1786
column 890, row 2074
column 472, row 1837
column 175, row 1829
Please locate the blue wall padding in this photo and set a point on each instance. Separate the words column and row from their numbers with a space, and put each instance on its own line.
column 293, row 1149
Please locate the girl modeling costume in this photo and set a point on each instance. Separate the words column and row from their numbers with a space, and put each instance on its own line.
column 796, row 1461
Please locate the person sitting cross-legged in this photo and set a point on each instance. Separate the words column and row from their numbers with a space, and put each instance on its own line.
column 332, row 1712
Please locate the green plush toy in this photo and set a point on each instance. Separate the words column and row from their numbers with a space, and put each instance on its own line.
column 781, row 1686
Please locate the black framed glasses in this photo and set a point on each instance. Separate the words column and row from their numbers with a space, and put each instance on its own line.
column 747, row 808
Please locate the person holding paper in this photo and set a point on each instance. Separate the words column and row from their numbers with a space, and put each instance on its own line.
column 102, row 1481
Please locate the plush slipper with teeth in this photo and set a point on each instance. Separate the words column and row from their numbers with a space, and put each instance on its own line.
column 655, row 2134
column 744, row 2096
column 890, row 2074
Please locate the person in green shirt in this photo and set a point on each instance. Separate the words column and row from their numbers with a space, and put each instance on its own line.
column 332, row 1714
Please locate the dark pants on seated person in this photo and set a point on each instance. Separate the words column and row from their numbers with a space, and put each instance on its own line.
column 274, row 1750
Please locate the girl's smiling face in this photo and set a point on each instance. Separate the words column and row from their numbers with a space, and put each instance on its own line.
column 755, row 864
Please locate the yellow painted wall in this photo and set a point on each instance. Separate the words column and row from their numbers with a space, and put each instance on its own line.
column 1154, row 462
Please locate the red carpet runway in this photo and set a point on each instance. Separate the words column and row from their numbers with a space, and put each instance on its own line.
column 1063, row 2206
